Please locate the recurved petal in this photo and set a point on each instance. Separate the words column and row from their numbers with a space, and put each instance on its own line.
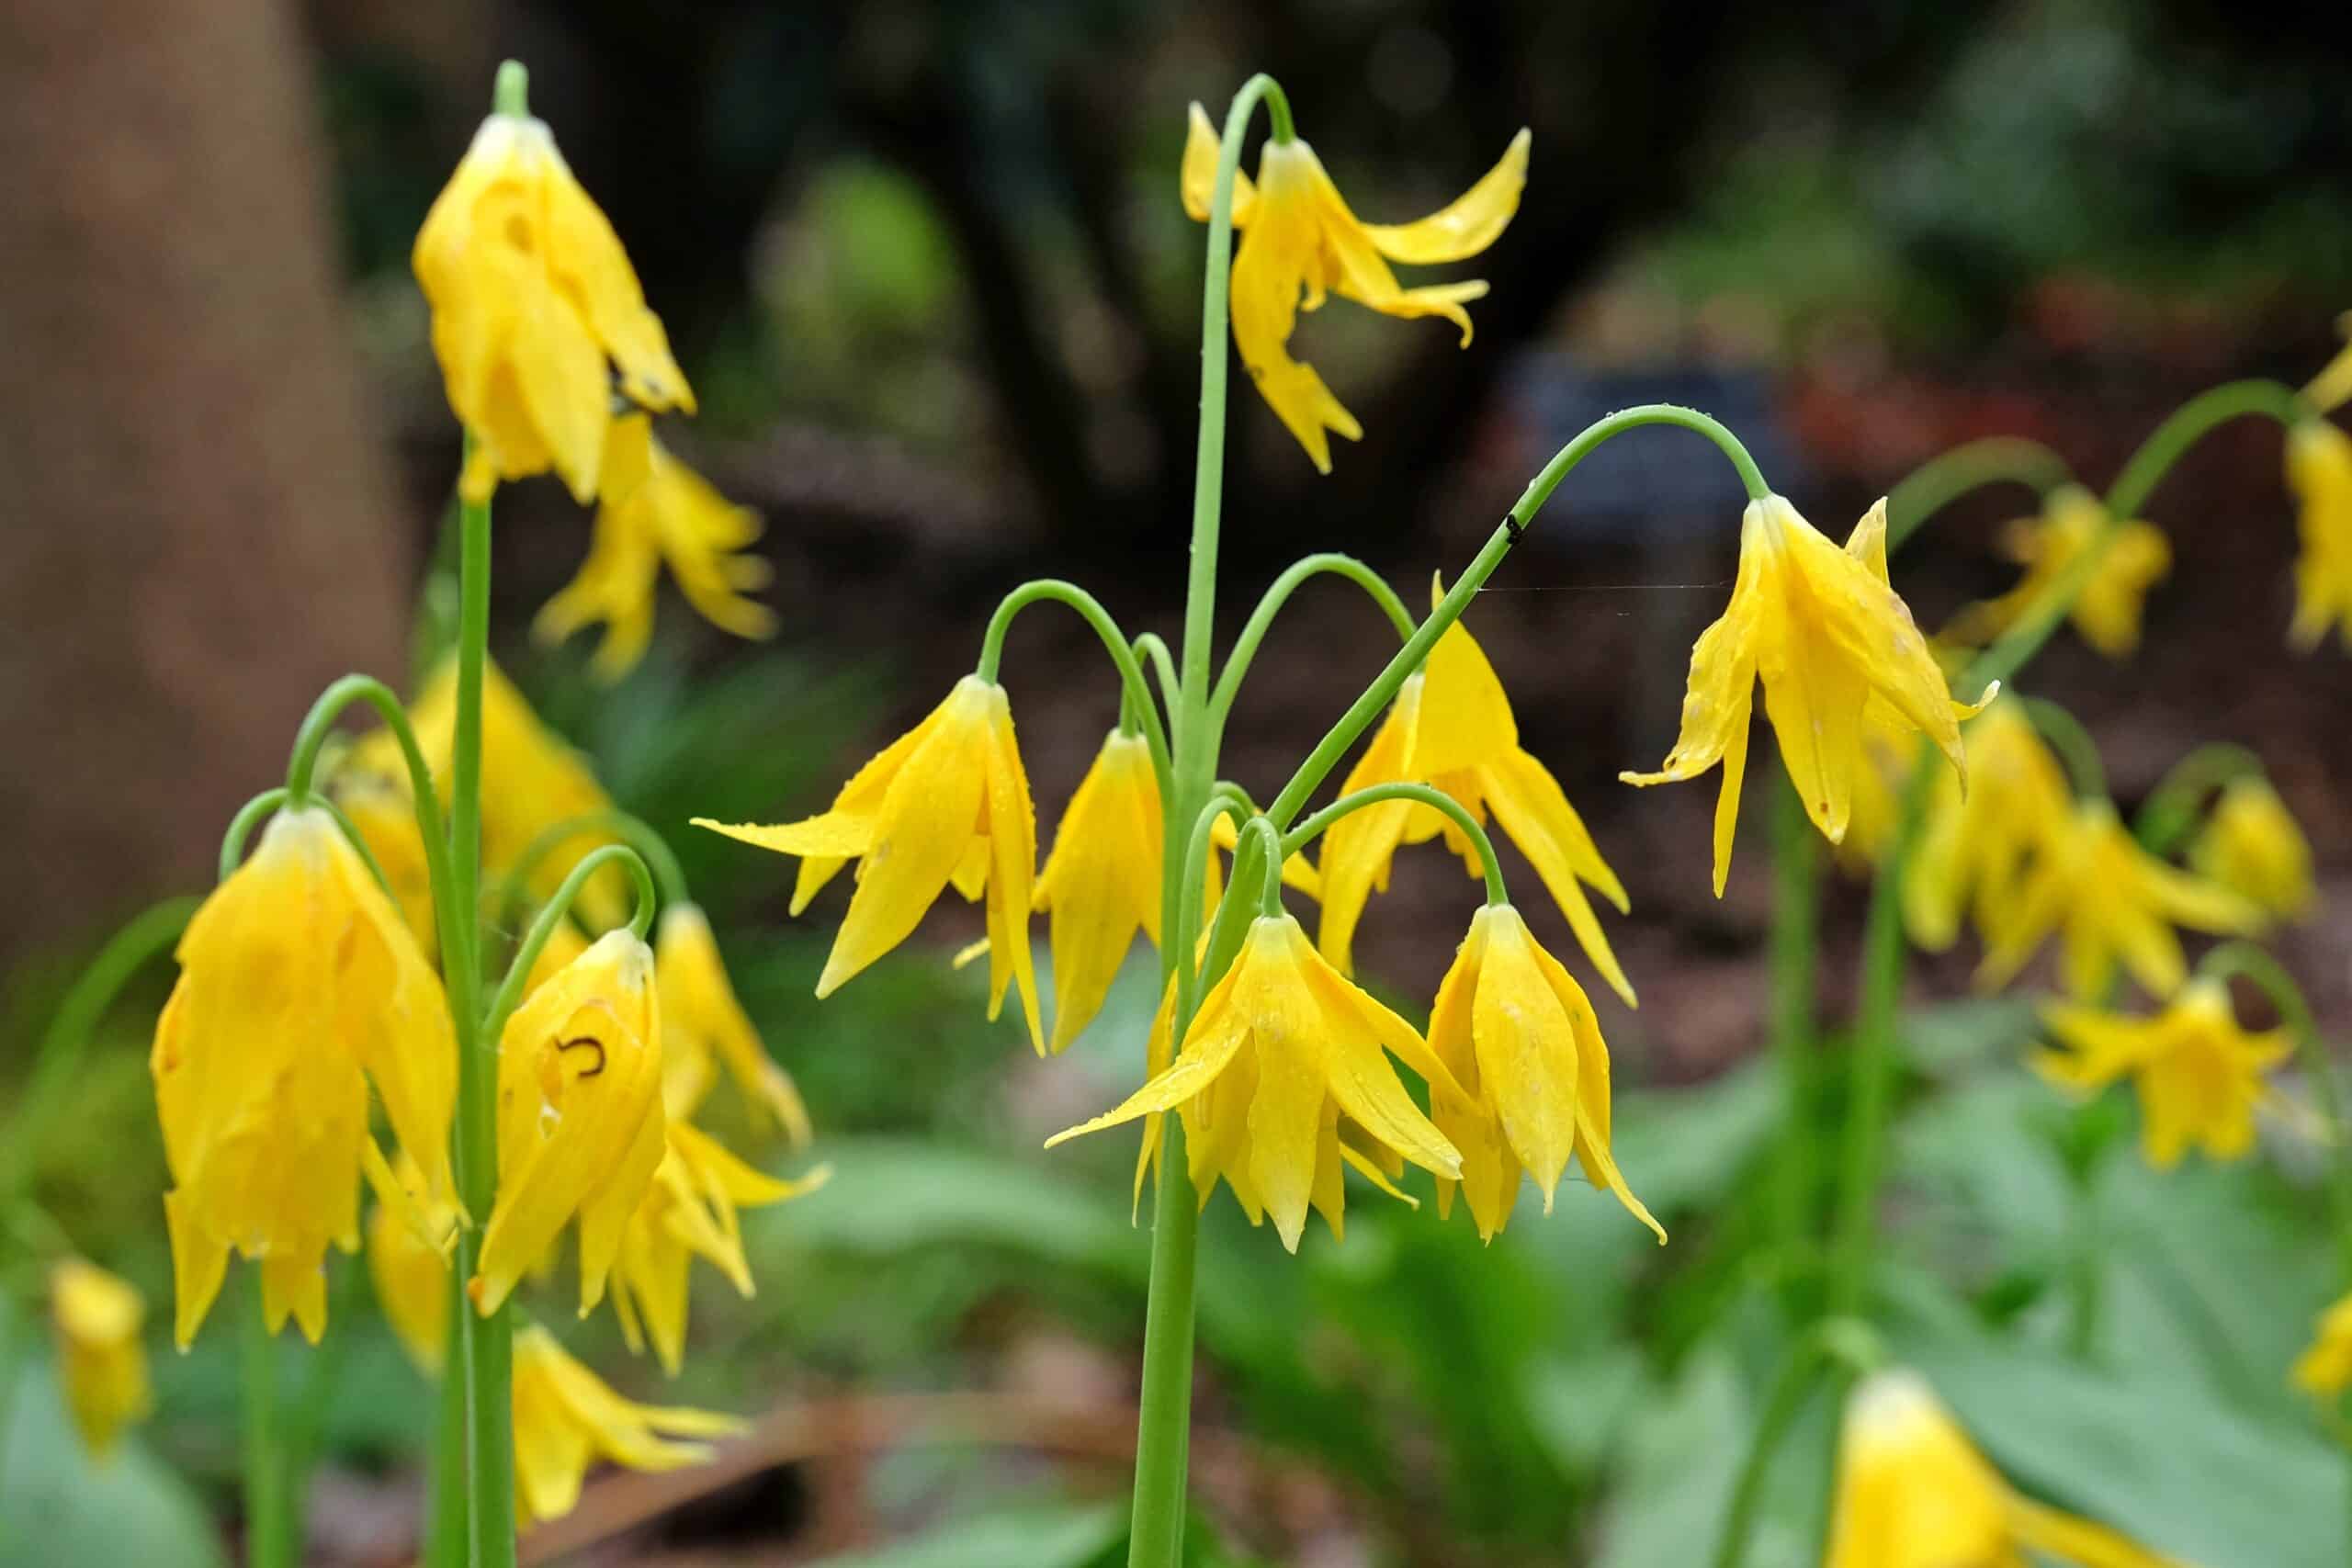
column 1198, row 178
column 1463, row 719
column 1592, row 1091
column 1534, row 812
column 1465, row 226
column 1359, row 846
column 1216, row 1034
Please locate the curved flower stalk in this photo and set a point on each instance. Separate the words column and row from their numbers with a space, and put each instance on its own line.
column 1101, row 883
column 2319, row 471
column 2131, row 558
column 1829, row 639
column 103, row 1365
column 2253, row 846
column 2332, row 388
column 567, row 1418
column 2199, row 1076
column 1299, row 238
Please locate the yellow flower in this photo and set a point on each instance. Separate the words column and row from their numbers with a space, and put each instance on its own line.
column 1451, row 727
column 703, row 1024
column 2332, row 388
column 2325, row 1370
column 1279, row 1050
column 1298, row 237
column 1519, row 1037
column 2319, row 471
column 407, row 1237
column 945, row 801
column 1913, row 1492
column 2199, row 1075
column 1101, row 883
column 2113, row 900
column 652, row 508
column 535, row 309
column 1976, row 846
column 299, row 987
column 102, row 1364
column 1830, row 639
column 2251, row 845
column 688, row 1212
column 2106, row 609
column 378, row 805
column 566, row 1418
column 580, row 1121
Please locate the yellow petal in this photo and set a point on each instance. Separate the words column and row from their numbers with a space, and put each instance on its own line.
column 1534, row 812
column 1198, row 178
column 1468, row 224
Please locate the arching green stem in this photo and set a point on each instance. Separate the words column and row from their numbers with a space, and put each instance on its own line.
column 1315, row 827
column 1245, row 648
column 2073, row 745
column 1268, row 842
column 553, row 914
column 2172, row 807
column 241, row 828
column 1383, row 690
column 669, row 877
column 1152, row 647
column 1114, row 642
column 1225, row 800
column 1938, row 482
column 1844, row 1345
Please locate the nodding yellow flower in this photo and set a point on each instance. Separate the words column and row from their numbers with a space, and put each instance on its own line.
column 946, row 801
column 101, row 1361
column 1976, row 846
column 566, row 1418
column 703, row 1025
column 650, row 509
column 580, row 1119
column 1281, row 1050
column 1913, row 1492
column 2106, row 611
column 2199, row 1075
column 1519, row 1037
column 2113, row 900
column 1299, row 238
column 2319, row 471
column 408, row 1236
column 2325, row 1370
column 300, row 987
column 1101, row 883
column 1833, row 644
column 1451, row 727
column 2332, row 388
column 2253, row 846
column 380, row 807
column 536, row 310
column 689, row 1211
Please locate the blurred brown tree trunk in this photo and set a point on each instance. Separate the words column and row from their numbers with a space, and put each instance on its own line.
column 197, row 533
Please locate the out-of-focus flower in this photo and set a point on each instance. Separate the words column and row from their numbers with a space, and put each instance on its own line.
column 2112, row 900
column 101, row 1361
column 566, row 1418
column 2251, row 845
column 2332, row 388
column 535, row 309
column 1836, row 651
column 2319, row 471
column 650, row 509
column 1976, row 846
column 1280, row 1051
column 2107, row 608
column 580, row 1121
column 2324, row 1370
column 704, row 1025
column 1914, row 1492
column 946, row 801
column 408, row 1233
column 1299, row 238
column 1519, row 1037
column 1101, row 883
column 380, row 807
column 1451, row 727
column 300, row 986
column 2199, row 1075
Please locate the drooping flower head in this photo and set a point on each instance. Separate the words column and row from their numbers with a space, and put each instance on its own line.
column 705, row 1027
column 2324, row 1370
column 408, row 1239
column 1451, row 727
column 1101, row 883
column 2113, row 902
column 1913, row 1492
column 1836, row 648
column 2319, row 471
column 378, row 805
column 299, row 987
column 2105, row 610
column 1976, row 846
column 1518, row 1035
column 580, row 1118
column 101, row 1363
column 2253, row 846
column 566, row 1418
column 653, row 509
column 2199, row 1075
column 1284, row 1055
column 1300, row 244
column 948, row 801
column 536, row 313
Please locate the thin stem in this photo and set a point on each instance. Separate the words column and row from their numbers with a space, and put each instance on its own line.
column 669, row 877
column 240, row 827
column 512, row 93
column 552, row 914
column 1225, row 800
column 2073, row 745
column 448, row 1542
column 1152, row 647
column 1940, row 481
column 1315, row 827
column 1795, row 949
column 1114, row 642
column 1791, row 1392
column 2171, row 808
column 269, row 1504
column 1245, row 648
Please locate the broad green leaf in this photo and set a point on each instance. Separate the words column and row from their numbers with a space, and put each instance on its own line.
column 59, row 1509
column 1046, row 1535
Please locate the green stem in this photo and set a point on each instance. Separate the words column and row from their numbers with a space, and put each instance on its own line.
column 669, row 875
column 448, row 1541
column 1152, row 647
column 303, row 761
column 553, row 915
column 1114, row 642
column 1790, row 1391
column 511, row 92
column 1939, row 481
column 2172, row 807
column 269, row 1505
column 1315, row 827
column 1794, row 953
column 240, row 827
column 1245, row 648
column 2073, row 745
column 1377, row 696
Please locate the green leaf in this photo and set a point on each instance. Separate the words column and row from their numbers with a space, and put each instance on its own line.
column 59, row 1509
column 1046, row 1535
